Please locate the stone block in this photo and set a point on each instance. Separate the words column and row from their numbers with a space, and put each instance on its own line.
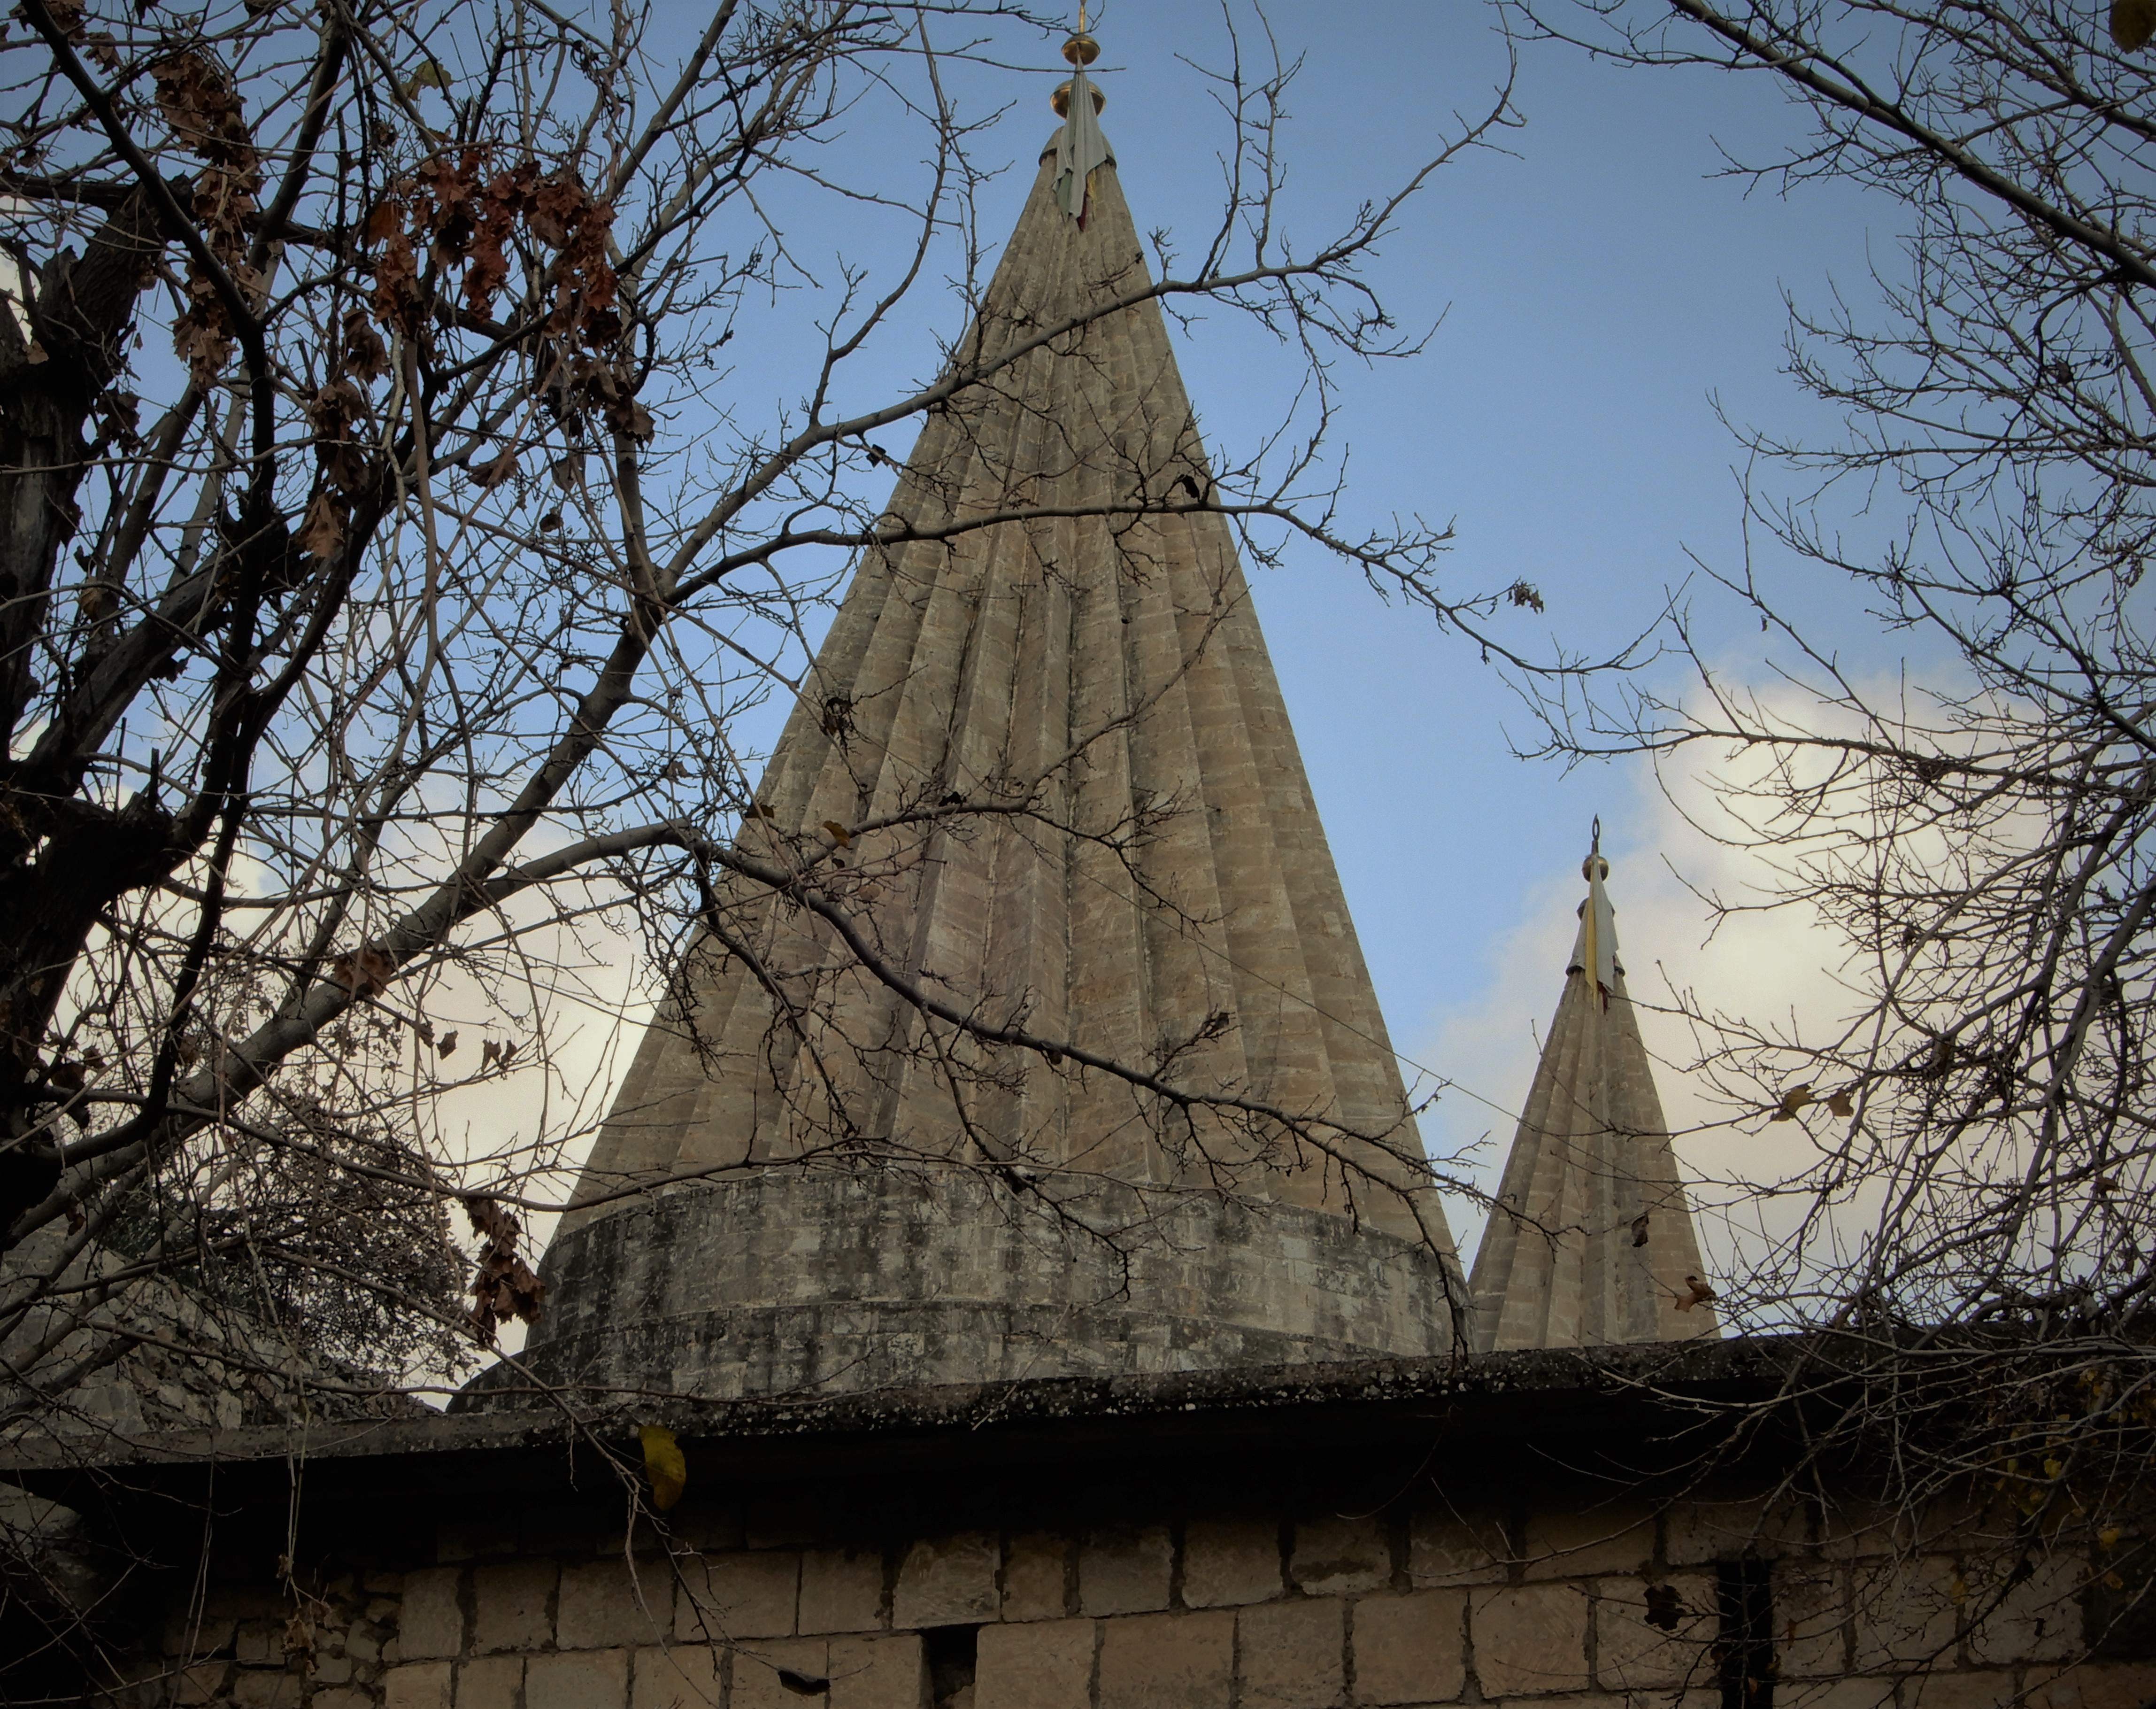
column 681, row 1677
column 340, row 1698
column 604, row 1605
column 1446, row 1547
column 1337, row 1554
column 756, row 1682
column 1937, row 1689
column 1410, row 1649
column 466, row 1542
column 1291, row 1654
column 883, row 1672
column 267, row 1688
column 202, row 1682
column 1850, row 1527
column 1529, row 1641
column 1167, row 1661
column 417, row 1684
column 512, row 1605
column 1904, row 1613
column 1635, row 1653
column 1836, row 1694
column 946, row 1581
column 259, row 1644
column 1042, row 1665
column 1125, row 1569
column 729, row 1596
column 1036, row 1565
column 2038, row 1618
column 577, row 1679
column 429, row 1623
column 1695, row 1532
column 1593, row 1533
column 490, row 1682
column 1228, row 1561
column 1811, row 1619
column 841, row 1590
column 2094, row 1685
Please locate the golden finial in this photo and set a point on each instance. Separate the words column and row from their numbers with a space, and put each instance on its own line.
column 1081, row 51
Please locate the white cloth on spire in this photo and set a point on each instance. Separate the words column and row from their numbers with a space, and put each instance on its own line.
column 1078, row 148
column 1595, row 950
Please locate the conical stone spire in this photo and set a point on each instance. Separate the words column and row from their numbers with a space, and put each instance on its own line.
column 1591, row 1242
column 1104, row 835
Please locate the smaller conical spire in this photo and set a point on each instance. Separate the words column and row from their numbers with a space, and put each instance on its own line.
column 1591, row 1241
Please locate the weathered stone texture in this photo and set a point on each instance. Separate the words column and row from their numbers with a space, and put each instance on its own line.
column 1036, row 1571
column 1125, row 1569
column 841, row 1590
column 603, row 1604
column 512, row 1605
column 1167, row 1661
column 1633, row 1652
column 429, row 1623
column 679, row 1677
column 490, row 1682
column 1290, row 1655
column 581, row 1679
column 747, row 1594
column 1410, row 1649
column 1041, row 1664
column 947, row 1581
column 1227, row 1562
column 1341, row 1554
column 423, row 1685
column 1531, row 1640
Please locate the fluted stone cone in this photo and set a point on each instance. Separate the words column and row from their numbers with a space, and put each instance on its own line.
column 1151, row 885
column 1591, row 1242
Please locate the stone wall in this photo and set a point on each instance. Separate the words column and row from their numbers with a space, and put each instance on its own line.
column 1573, row 1599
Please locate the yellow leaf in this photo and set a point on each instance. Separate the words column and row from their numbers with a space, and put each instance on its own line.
column 2133, row 22
column 1840, row 1104
column 2108, row 1538
column 840, row 834
column 429, row 75
column 663, row 1463
column 2113, row 1582
column 1797, row 1097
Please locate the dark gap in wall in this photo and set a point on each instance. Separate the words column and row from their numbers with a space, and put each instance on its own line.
column 1747, row 1644
column 953, row 1654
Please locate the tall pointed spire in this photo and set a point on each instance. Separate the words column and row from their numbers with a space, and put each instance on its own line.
column 1592, row 1240
column 1046, row 763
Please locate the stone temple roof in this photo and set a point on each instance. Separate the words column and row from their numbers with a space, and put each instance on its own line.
column 1562, row 1263
column 1146, row 877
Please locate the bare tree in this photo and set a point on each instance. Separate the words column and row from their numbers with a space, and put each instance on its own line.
column 1971, row 1220
column 384, row 590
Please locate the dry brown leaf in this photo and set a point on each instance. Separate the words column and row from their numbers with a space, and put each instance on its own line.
column 1841, row 1103
column 365, row 970
column 2133, row 22
column 321, row 529
column 1640, row 1229
column 495, row 470
column 1697, row 1293
column 840, row 834
column 1793, row 1100
column 446, row 1045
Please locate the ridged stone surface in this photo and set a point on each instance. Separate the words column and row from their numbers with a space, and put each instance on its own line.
column 1164, row 895
column 1557, row 1266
